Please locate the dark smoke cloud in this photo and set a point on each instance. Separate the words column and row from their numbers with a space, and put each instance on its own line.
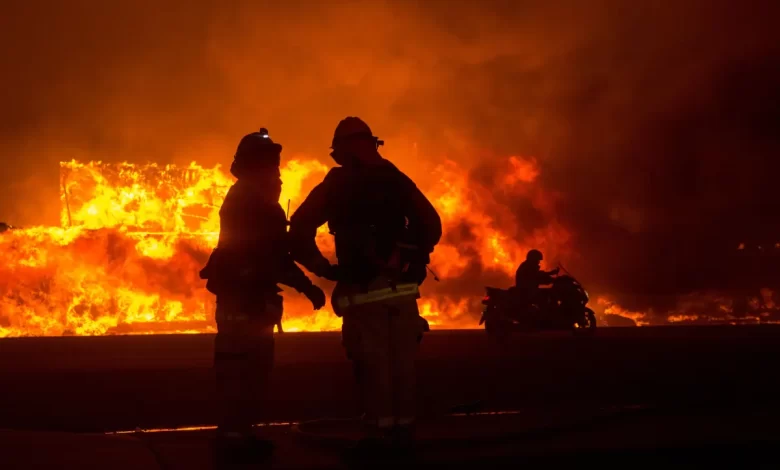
column 655, row 121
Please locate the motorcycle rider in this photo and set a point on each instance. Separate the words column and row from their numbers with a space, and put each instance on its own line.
column 251, row 257
column 385, row 230
column 529, row 276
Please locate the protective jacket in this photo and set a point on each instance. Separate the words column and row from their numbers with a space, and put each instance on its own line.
column 381, row 221
column 252, row 255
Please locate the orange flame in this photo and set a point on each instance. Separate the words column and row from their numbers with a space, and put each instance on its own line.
column 133, row 239
column 494, row 233
column 701, row 308
column 610, row 308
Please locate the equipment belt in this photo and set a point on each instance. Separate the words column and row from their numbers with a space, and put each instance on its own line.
column 401, row 290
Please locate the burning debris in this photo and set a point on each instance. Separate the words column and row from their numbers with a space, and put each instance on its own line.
column 758, row 306
column 132, row 239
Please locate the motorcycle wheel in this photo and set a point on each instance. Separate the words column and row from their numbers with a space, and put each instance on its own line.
column 591, row 316
column 589, row 323
column 496, row 326
column 496, row 330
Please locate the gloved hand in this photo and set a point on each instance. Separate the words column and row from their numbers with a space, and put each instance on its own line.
column 555, row 271
column 316, row 296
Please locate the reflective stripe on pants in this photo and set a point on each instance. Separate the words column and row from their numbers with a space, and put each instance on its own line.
column 243, row 360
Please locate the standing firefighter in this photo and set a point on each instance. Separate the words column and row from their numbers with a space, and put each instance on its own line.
column 385, row 230
column 243, row 271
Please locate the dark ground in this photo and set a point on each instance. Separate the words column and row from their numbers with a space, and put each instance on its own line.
column 651, row 395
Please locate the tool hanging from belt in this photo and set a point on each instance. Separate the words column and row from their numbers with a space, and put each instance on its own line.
column 400, row 290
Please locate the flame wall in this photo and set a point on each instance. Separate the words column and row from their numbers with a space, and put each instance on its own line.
column 652, row 125
column 133, row 238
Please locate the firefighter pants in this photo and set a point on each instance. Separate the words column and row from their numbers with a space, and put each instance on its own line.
column 382, row 338
column 243, row 360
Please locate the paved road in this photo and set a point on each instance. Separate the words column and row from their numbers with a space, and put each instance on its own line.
column 111, row 383
column 538, row 438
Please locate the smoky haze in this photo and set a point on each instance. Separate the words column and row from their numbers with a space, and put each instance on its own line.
column 655, row 122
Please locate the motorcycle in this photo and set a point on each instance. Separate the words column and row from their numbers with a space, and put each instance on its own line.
column 563, row 306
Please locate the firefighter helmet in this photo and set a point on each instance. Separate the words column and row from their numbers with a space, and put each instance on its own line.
column 350, row 128
column 256, row 151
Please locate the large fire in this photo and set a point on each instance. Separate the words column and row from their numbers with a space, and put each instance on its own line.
column 133, row 238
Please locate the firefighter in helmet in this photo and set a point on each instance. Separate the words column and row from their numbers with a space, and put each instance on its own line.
column 250, row 259
column 385, row 230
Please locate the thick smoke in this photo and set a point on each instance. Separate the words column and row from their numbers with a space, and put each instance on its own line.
column 654, row 122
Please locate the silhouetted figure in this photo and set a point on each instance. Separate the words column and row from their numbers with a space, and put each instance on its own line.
column 4, row 227
column 529, row 275
column 385, row 230
column 251, row 257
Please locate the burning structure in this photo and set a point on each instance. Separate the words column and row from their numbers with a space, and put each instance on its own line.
column 133, row 238
column 653, row 131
